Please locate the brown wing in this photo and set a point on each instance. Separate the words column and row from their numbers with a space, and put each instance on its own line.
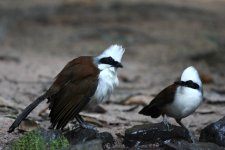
column 72, row 90
column 166, row 96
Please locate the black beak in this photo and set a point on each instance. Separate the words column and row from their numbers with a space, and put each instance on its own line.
column 117, row 64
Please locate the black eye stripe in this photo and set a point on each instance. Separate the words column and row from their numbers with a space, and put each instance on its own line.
column 188, row 83
column 110, row 61
column 106, row 60
column 192, row 84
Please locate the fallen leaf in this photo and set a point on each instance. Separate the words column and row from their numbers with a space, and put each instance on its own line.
column 214, row 98
column 95, row 121
column 44, row 112
column 28, row 125
column 126, row 79
column 98, row 120
column 204, row 111
column 206, row 78
column 137, row 99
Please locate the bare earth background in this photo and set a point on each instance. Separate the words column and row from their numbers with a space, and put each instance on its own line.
column 161, row 38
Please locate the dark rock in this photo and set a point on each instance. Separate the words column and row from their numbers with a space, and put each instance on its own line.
column 93, row 145
column 80, row 135
column 107, row 139
column 184, row 145
column 153, row 134
column 214, row 133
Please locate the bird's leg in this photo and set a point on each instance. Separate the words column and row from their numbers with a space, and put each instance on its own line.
column 189, row 132
column 82, row 123
column 165, row 121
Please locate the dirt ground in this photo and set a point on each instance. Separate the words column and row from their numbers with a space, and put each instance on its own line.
column 161, row 39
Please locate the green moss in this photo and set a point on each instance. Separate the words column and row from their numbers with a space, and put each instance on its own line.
column 61, row 142
column 35, row 141
column 31, row 140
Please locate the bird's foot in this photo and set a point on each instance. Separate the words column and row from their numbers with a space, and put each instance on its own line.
column 166, row 123
column 192, row 137
column 168, row 126
column 83, row 124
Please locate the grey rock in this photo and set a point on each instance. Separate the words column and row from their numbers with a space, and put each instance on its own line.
column 93, row 145
column 214, row 133
column 81, row 136
column 184, row 145
column 148, row 134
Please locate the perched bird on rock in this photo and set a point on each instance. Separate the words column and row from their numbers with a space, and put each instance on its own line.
column 178, row 100
column 84, row 79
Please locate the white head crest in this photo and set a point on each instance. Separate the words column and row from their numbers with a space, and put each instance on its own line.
column 114, row 51
column 191, row 73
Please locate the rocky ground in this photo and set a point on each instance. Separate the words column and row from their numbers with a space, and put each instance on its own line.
column 161, row 39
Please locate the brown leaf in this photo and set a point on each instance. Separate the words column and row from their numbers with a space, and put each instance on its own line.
column 95, row 121
column 44, row 112
column 206, row 78
column 28, row 125
column 204, row 111
column 137, row 99
column 126, row 79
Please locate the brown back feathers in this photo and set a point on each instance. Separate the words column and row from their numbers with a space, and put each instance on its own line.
column 166, row 96
column 72, row 90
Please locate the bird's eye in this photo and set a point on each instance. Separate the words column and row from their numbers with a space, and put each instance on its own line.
column 192, row 84
column 106, row 60
column 189, row 82
column 110, row 58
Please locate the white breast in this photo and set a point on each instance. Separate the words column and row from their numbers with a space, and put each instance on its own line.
column 107, row 82
column 186, row 101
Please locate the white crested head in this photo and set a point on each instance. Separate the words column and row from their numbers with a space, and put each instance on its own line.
column 191, row 73
column 108, row 62
column 115, row 52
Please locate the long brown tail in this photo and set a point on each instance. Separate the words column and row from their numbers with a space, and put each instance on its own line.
column 26, row 112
